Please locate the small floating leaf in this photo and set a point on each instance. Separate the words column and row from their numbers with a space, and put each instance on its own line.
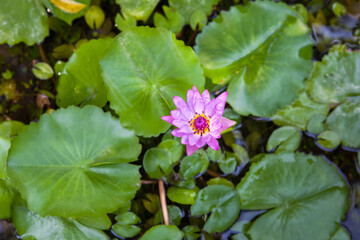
column 69, row 6
column 316, row 124
column 157, row 162
column 182, row 195
column 328, row 139
column 42, row 71
column 124, row 226
column 175, row 215
column 172, row 21
column 140, row 9
column 222, row 201
column 67, row 10
column 124, row 21
column 163, row 232
column 286, row 139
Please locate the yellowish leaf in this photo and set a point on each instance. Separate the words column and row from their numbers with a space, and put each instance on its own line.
column 69, row 6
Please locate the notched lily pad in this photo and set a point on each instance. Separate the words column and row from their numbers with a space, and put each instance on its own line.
column 305, row 190
column 163, row 232
column 285, row 139
column 140, row 9
column 93, row 156
column 250, row 52
column 143, row 69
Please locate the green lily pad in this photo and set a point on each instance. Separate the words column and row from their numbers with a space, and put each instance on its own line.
column 340, row 234
column 224, row 203
column 174, row 147
column 23, row 21
column 187, row 8
column 152, row 202
column 4, row 148
column 336, row 78
column 7, row 195
column 286, row 139
column 301, row 192
column 345, row 121
column 9, row 129
column 175, row 215
column 299, row 113
column 172, row 20
column 101, row 221
column 191, row 232
column 143, row 69
column 198, row 19
column 42, row 71
column 228, row 164
column 83, row 149
column 163, row 232
column 157, row 162
column 193, row 165
column 30, row 225
column 220, row 181
column 251, row 52
column 316, row 124
column 67, row 17
column 83, row 85
column 140, row 9
column 182, row 195
column 328, row 139
column 124, row 226
column 125, row 21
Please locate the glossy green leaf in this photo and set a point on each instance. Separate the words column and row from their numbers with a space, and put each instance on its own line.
column 338, row 9
column 152, row 202
column 67, row 17
column 191, row 232
column 83, row 149
column 30, row 225
column 222, row 201
column 174, row 147
column 7, row 195
column 286, row 139
column 328, row 139
column 124, row 228
column 175, row 215
column 172, row 20
column 214, row 155
column 182, row 195
column 240, row 153
column 23, row 21
column 345, row 121
column 94, row 17
column 251, row 53
column 316, row 124
column 157, row 162
column 228, row 164
column 63, row 51
column 101, row 221
column 83, row 85
column 299, row 113
column 341, row 234
column 163, row 232
column 143, row 69
column 42, row 71
column 301, row 192
column 192, row 165
column 188, row 7
column 140, row 9
column 220, row 181
column 9, row 129
column 336, row 78
column 125, row 21
column 198, row 19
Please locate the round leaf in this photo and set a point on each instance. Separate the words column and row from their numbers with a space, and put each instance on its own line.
column 101, row 221
column 191, row 232
column 124, row 22
column 172, row 21
column 328, row 139
column 316, row 124
column 126, row 231
column 251, row 52
column 73, row 162
column 42, row 71
column 286, row 139
column 182, row 195
column 157, row 162
column 7, row 195
column 174, row 148
column 302, row 192
column 345, row 121
column 163, row 232
column 140, row 9
column 67, row 12
column 83, row 85
column 299, row 113
column 192, row 165
column 336, row 78
column 175, row 215
column 22, row 21
column 224, row 203
column 228, row 165
column 188, row 7
column 143, row 69
column 29, row 224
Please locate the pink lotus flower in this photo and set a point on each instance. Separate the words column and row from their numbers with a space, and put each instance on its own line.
column 200, row 120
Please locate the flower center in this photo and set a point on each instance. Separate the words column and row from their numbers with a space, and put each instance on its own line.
column 200, row 124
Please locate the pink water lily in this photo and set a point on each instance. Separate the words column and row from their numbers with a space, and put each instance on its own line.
column 200, row 120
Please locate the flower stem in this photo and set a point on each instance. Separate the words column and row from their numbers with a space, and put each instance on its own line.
column 163, row 202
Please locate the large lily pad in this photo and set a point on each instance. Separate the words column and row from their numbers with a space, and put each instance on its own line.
column 300, row 112
column 30, row 225
column 265, row 58
column 22, row 21
column 336, row 78
column 140, row 9
column 66, row 14
column 73, row 162
column 143, row 69
column 224, row 203
column 345, row 121
column 83, row 85
column 306, row 197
